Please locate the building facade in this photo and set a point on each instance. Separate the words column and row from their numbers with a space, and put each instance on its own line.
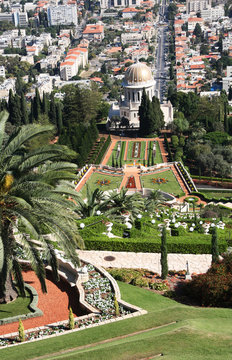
column 194, row 6
column 62, row 15
column 137, row 78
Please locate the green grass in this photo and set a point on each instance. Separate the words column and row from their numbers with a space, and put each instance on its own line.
column 172, row 186
column 158, row 156
column 198, row 333
column 17, row 307
column 115, row 182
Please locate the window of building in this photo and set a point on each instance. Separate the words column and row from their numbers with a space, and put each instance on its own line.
column 133, row 96
column 134, row 114
column 119, row 2
column 112, row 2
column 134, row 2
column 138, row 96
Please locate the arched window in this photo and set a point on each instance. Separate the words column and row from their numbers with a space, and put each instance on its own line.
column 133, row 96
column 138, row 96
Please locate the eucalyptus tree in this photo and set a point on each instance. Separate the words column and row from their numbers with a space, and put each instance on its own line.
column 35, row 189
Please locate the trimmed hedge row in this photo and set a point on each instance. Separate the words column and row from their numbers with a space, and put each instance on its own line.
column 208, row 198
column 211, row 178
column 168, row 148
column 152, row 247
column 103, row 150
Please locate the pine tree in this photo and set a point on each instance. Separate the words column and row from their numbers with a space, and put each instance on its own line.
column 71, row 322
column 214, row 246
column 164, row 255
column 24, row 113
column 21, row 331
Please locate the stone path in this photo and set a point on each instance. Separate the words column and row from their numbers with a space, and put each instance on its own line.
column 131, row 171
column 55, row 304
column 162, row 149
column 150, row 261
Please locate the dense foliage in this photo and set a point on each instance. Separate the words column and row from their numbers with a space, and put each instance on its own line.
column 215, row 287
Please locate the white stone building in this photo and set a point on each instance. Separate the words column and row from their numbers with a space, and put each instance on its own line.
column 194, row 6
column 137, row 78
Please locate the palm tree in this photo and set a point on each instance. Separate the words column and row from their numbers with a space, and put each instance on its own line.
column 154, row 200
column 95, row 201
column 119, row 203
column 34, row 191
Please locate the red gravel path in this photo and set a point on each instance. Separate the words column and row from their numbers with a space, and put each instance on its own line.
column 54, row 304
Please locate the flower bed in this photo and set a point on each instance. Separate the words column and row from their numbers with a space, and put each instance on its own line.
column 103, row 182
column 131, row 183
column 188, row 181
column 159, row 181
column 98, row 292
column 136, row 150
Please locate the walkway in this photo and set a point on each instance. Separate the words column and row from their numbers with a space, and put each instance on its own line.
column 54, row 304
column 179, row 179
column 162, row 149
column 150, row 261
column 131, row 171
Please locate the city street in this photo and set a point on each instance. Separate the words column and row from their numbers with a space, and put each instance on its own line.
column 161, row 73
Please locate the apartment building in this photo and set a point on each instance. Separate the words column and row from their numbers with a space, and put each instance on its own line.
column 62, row 15
column 194, row 6
column 94, row 32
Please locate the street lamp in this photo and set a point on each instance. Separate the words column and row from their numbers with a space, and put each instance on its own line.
column 139, row 216
column 98, row 212
column 82, row 225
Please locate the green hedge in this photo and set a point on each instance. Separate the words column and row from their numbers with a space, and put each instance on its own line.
column 103, row 150
column 210, row 178
column 208, row 198
column 149, row 247
column 168, row 147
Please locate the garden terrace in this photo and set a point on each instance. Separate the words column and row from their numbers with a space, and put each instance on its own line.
column 189, row 238
column 203, row 333
column 102, row 181
column 170, row 186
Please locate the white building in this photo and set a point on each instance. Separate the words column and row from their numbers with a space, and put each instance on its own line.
column 62, row 15
column 2, row 71
column 109, row 4
column 213, row 14
column 194, row 6
column 137, row 78
column 227, row 81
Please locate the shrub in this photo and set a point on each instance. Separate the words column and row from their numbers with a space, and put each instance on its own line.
column 160, row 286
column 213, row 288
column 21, row 331
column 117, row 311
column 139, row 281
column 71, row 323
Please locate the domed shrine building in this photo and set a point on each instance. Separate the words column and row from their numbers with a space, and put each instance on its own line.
column 138, row 77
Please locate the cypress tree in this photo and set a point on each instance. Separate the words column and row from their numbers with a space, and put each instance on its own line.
column 24, row 113
column 31, row 117
column 158, row 120
column 14, row 107
column 164, row 255
column 19, row 85
column 214, row 246
column 71, row 322
column 143, row 113
column 52, row 111
column 59, row 118
column 21, row 331
column 45, row 104
column 113, row 161
column 36, row 105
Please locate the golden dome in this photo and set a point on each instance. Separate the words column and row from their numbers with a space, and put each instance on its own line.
column 138, row 73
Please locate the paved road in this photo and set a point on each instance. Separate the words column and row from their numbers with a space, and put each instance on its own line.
column 160, row 73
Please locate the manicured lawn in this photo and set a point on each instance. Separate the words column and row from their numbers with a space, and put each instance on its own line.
column 17, row 307
column 191, row 333
column 171, row 186
column 115, row 182
column 114, row 152
column 158, row 156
